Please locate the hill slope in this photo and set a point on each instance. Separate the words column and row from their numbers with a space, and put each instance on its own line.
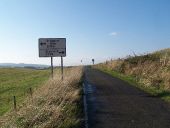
column 149, row 70
column 22, row 65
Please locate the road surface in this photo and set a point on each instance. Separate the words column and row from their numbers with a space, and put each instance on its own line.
column 113, row 103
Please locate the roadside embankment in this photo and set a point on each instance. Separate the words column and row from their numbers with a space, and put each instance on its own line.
column 150, row 72
column 56, row 104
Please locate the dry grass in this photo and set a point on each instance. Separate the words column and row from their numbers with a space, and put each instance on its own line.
column 55, row 105
column 149, row 69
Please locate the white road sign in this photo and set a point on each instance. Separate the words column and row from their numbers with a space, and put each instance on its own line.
column 52, row 47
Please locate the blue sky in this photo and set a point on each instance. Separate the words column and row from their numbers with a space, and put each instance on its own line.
column 99, row 29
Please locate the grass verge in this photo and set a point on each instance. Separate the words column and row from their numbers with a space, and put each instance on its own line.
column 56, row 104
column 16, row 82
column 153, row 91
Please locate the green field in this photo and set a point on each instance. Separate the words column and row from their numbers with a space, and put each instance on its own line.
column 16, row 82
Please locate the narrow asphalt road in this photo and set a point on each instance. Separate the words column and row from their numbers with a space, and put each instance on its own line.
column 113, row 103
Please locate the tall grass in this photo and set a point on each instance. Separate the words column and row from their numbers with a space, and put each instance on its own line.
column 57, row 104
column 149, row 70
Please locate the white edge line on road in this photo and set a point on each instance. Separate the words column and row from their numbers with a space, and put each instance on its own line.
column 85, row 107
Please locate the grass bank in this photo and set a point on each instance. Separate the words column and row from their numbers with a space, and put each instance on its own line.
column 56, row 104
column 16, row 82
column 149, row 72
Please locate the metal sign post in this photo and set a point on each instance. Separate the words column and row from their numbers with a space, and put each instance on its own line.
column 53, row 47
column 51, row 66
column 61, row 68
column 93, row 61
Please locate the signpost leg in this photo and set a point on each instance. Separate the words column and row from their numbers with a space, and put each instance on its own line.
column 61, row 67
column 52, row 67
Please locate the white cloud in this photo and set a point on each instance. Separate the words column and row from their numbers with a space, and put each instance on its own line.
column 113, row 34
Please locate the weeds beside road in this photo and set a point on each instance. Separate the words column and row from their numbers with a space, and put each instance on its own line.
column 149, row 72
column 57, row 104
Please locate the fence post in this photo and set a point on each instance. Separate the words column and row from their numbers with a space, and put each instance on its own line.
column 30, row 92
column 15, row 104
